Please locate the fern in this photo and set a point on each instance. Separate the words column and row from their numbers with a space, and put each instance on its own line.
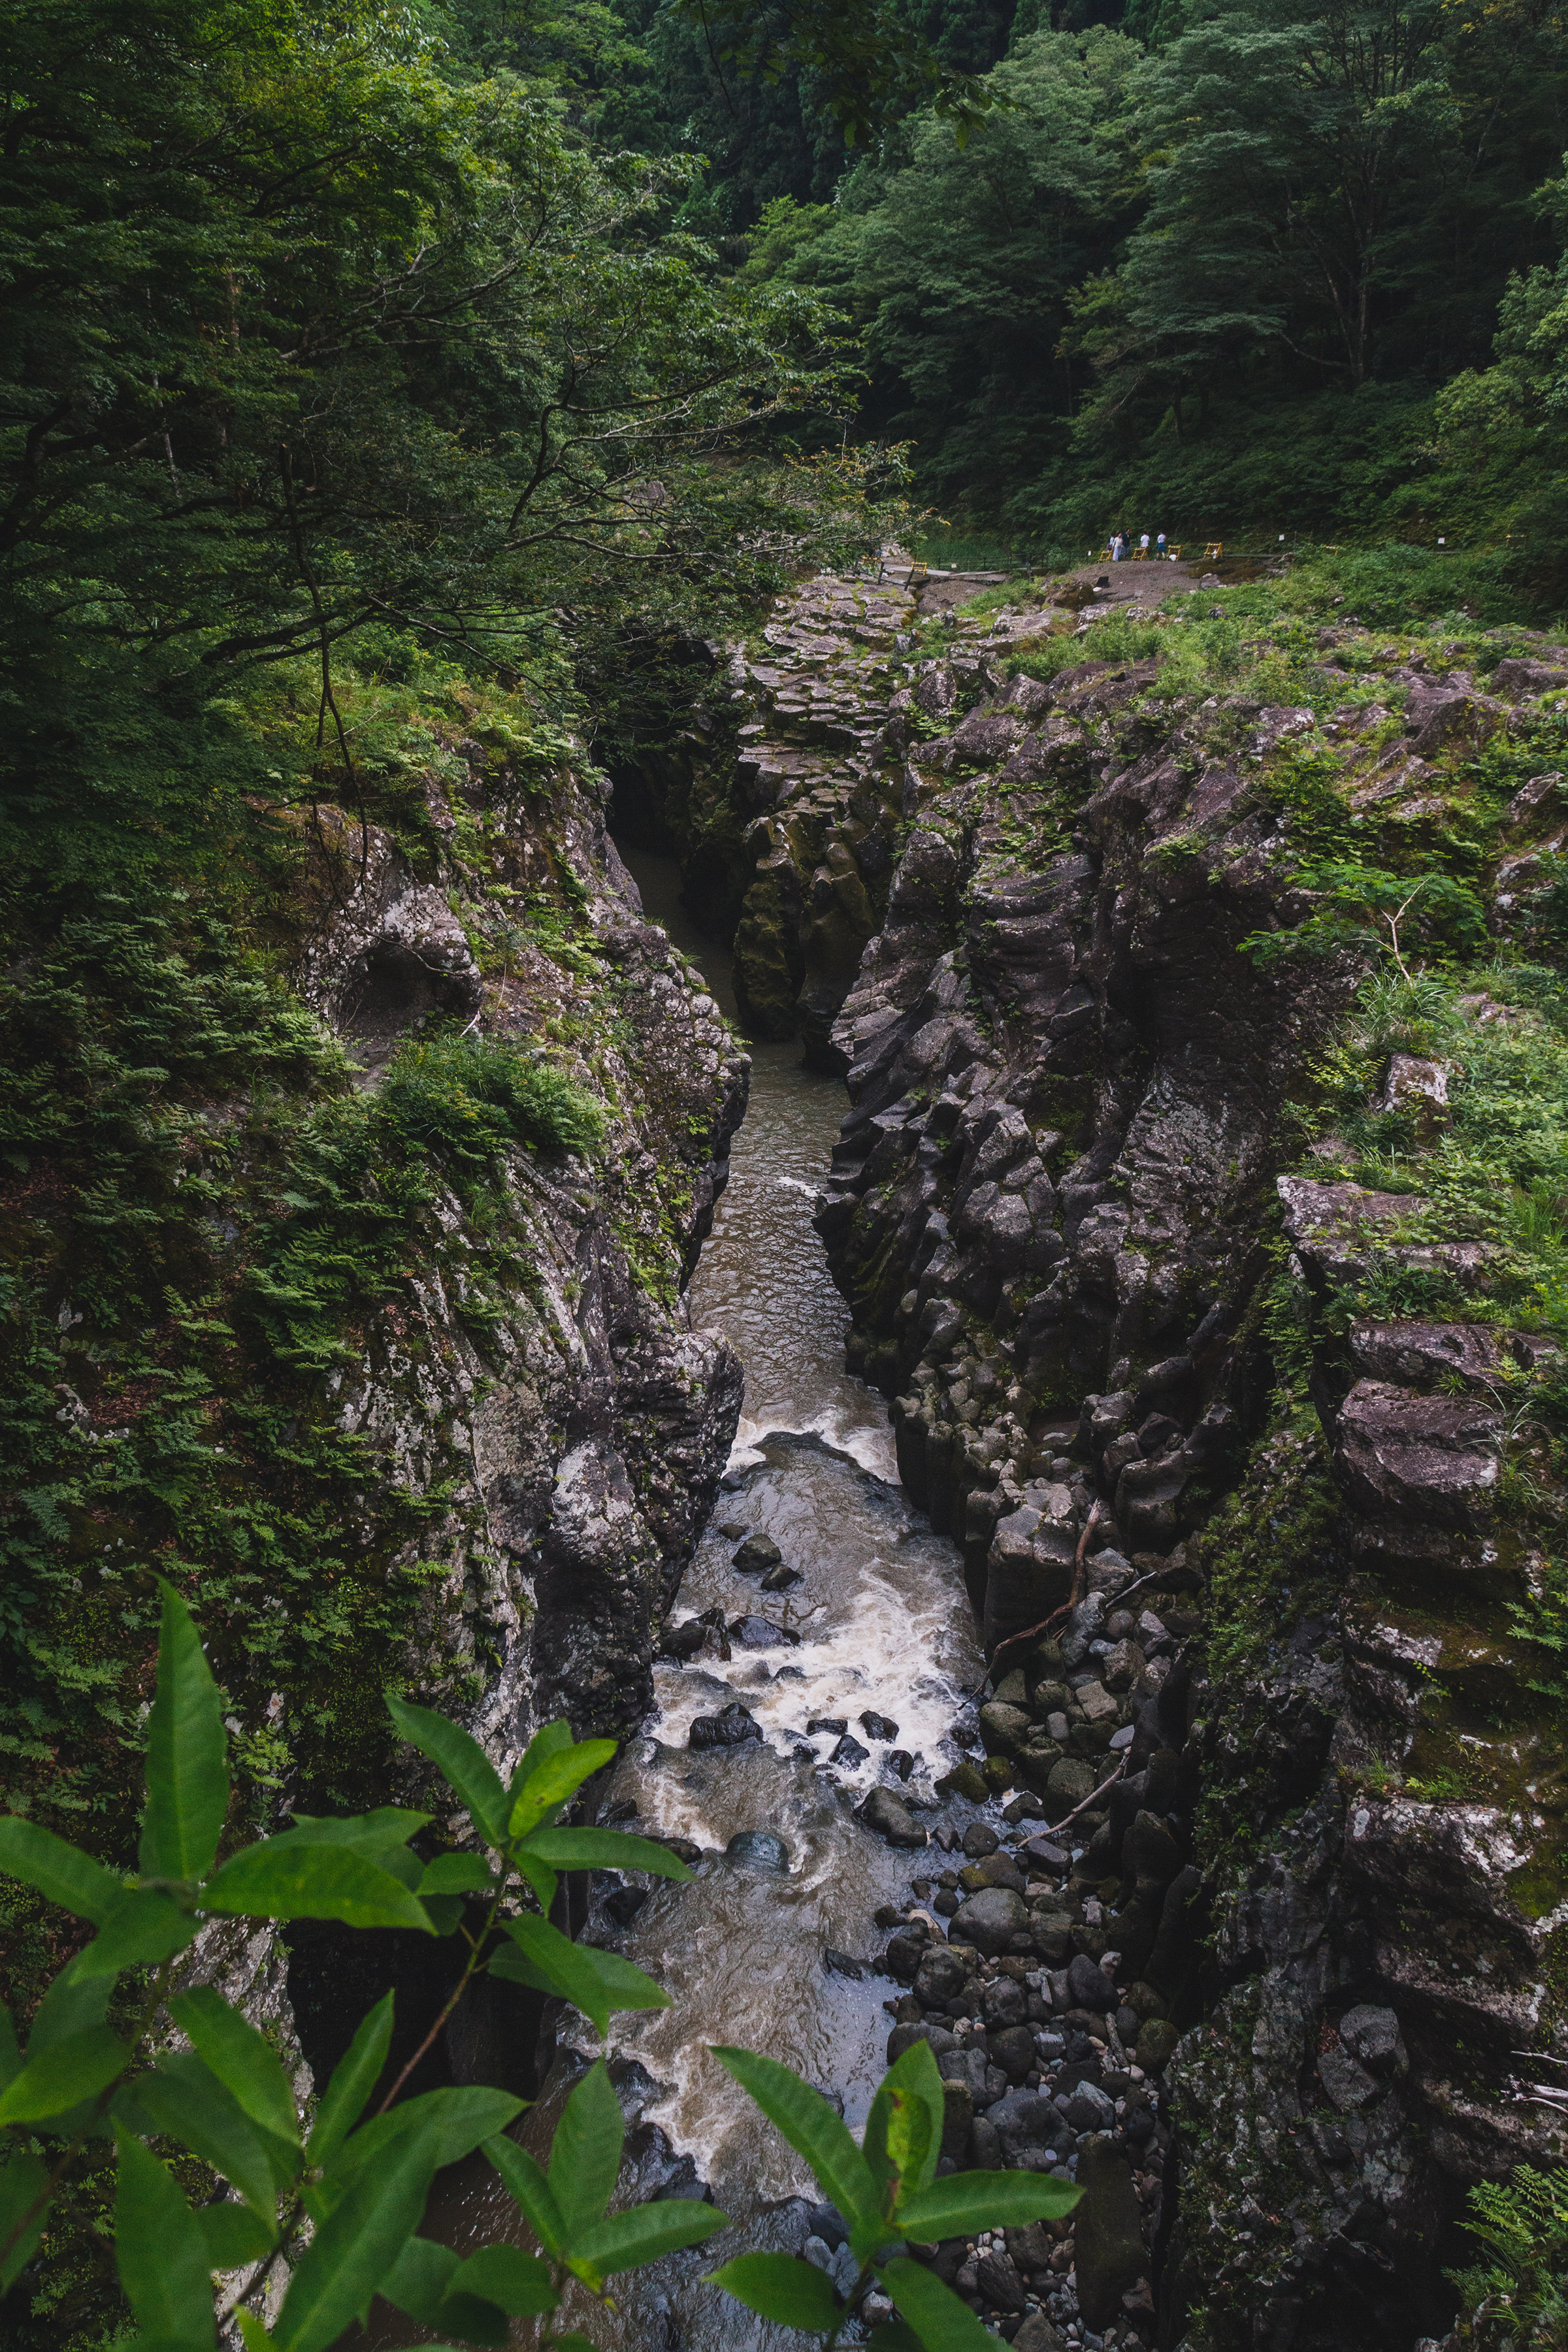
column 1520, row 2298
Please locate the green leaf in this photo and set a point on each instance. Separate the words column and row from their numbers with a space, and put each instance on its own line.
column 243, row 2059
column 902, row 2140
column 520, row 2283
column 10, row 2057
column 354, row 2077
column 644, row 2233
column 187, row 1755
column 461, row 1762
column 458, row 1873
column 810, row 2126
column 459, row 2121
column 595, row 1982
column 530, row 2189
column 941, row 2322
column 23, row 2179
column 540, row 1877
column 967, row 2201
column 288, row 1878
column 603, row 1850
column 586, row 2153
column 783, row 2287
column 61, row 1872
column 75, row 2000
column 444, row 1912
column 423, row 2281
column 159, row 2249
column 548, row 1740
column 77, row 2068
column 145, row 1928
column 555, row 1779
column 388, row 1825
column 184, row 2099
column 893, row 2335
column 356, row 2244
column 234, row 2235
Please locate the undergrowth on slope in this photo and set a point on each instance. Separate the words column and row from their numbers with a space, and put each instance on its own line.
column 201, row 1219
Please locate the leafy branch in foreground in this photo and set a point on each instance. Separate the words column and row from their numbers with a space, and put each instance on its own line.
column 333, row 2198
column 337, row 2199
column 887, row 2191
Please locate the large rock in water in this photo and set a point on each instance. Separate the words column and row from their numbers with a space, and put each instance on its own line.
column 727, row 1730
column 883, row 1812
column 990, row 1920
column 1108, row 2237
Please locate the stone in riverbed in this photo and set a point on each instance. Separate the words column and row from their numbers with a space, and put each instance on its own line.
column 760, row 1848
column 1000, row 2285
column 837, row 1724
column 990, row 1920
column 1070, row 1781
column 849, row 1752
column 879, row 1726
column 940, row 1977
column 761, row 1634
column 1156, row 2040
column 1037, row 2335
column 683, row 1641
column 756, row 1553
column 1090, row 1986
column 780, row 1578
column 1004, row 1729
column 965, row 1780
column 726, row 1729
column 891, row 1819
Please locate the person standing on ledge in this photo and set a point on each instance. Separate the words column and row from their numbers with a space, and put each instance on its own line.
column 1143, row 544
column 1160, row 547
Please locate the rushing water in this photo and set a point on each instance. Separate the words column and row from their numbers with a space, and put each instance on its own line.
column 882, row 1627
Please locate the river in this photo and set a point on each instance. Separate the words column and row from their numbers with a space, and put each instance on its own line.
column 883, row 1628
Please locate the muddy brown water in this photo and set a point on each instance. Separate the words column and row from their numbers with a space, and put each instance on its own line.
column 882, row 1627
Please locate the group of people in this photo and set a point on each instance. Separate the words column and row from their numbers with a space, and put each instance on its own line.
column 1122, row 545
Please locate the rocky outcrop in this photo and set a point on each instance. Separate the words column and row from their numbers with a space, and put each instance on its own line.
column 784, row 798
column 1060, row 1199
column 583, row 1441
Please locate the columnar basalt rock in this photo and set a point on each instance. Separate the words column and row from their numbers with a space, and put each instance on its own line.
column 1057, row 1206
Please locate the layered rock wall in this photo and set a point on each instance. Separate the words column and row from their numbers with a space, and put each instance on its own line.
column 1121, row 1314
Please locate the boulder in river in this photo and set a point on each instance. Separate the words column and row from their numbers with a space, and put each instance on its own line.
column 761, row 1634
column 780, row 1578
column 836, row 1724
column 990, row 1920
column 755, row 1554
column 683, row 1641
column 759, row 1849
column 728, row 1728
column 891, row 1818
column 879, row 1726
column 850, row 1753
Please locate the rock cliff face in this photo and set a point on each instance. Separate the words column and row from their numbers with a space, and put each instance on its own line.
column 439, row 1418
column 1138, row 1333
column 588, row 1432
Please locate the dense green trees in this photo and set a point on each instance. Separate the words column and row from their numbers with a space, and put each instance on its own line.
column 1220, row 269
column 305, row 331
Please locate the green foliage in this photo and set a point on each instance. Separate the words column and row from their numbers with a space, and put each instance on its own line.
column 886, row 2189
column 1518, row 2300
column 469, row 1097
column 226, row 2102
